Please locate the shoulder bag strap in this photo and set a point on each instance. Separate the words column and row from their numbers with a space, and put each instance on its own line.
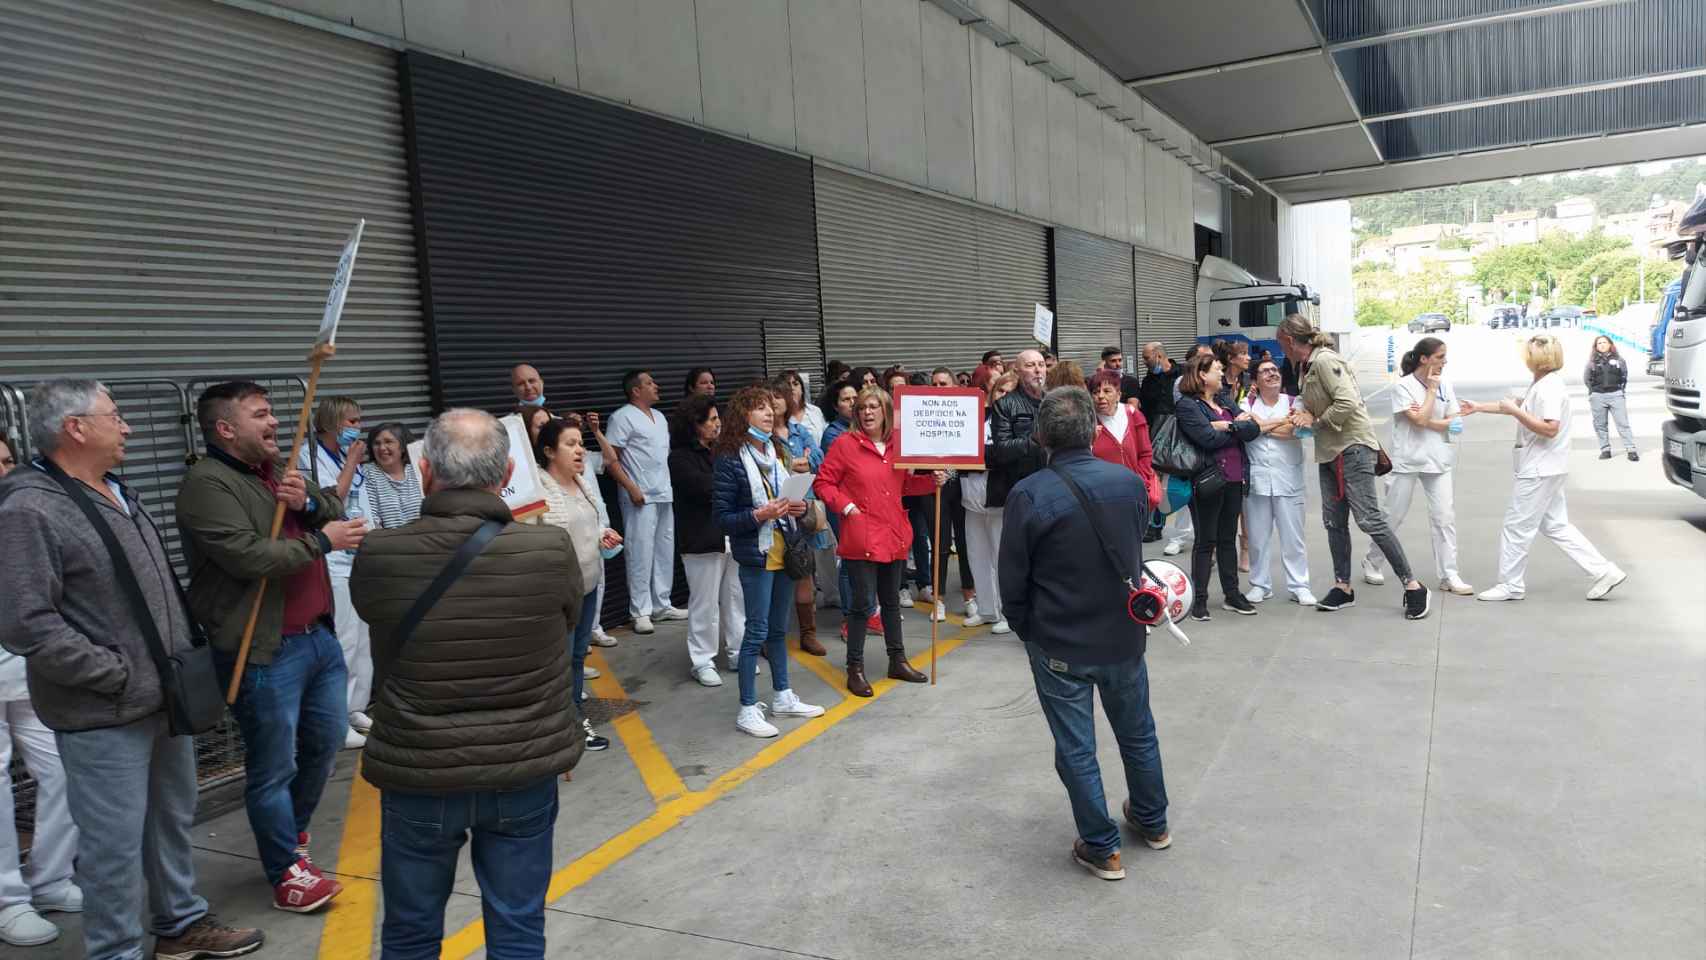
column 458, row 565
column 121, row 566
column 1084, row 501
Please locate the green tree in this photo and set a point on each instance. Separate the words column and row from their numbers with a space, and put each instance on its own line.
column 1375, row 313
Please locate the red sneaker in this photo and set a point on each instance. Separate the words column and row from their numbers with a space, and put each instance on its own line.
column 301, row 891
column 843, row 630
column 875, row 625
column 302, row 841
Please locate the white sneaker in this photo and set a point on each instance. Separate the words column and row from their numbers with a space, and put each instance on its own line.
column 789, row 704
column 1372, row 574
column 707, row 676
column 1606, row 583
column 22, row 926
column 973, row 618
column 905, row 597
column 68, row 900
column 940, row 613
column 927, row 595
column 734, row 663
column 584, row 696
column 589, row 672
column 751, row 720
column 644, row 625
column 1257, row 594
column 670, row 613
column 1457, row 586
column 1174, row 547
column 360, row 722
column 1500, row 592
column 602, row 639
column 1303, row 598
column 354, row 740
column 1000, row 628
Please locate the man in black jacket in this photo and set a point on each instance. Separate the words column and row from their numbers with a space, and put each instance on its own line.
column 1068, row 601
column 1155, row 396
column 1013, row 451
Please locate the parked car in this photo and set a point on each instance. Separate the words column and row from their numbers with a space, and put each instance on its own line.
column 1429, row 322
column 1566, row 315
column 1503, row 318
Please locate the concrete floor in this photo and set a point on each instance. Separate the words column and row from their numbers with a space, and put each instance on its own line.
column 1512, row 780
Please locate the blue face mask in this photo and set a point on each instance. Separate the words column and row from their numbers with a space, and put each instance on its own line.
column 757, row 434
column 538, row 401
column 347, row 436
column 1158, row 368
column 610, row 552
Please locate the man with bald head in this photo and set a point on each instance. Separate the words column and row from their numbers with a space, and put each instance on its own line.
column 529, row 387
column 1013, row 452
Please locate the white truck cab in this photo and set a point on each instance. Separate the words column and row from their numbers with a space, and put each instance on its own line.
column 1685, row 360
column 1232, row 304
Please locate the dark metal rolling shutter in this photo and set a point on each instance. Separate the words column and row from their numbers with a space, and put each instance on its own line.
column 1094, row 308
column 1166, row 293
column 176, row 182
column 920, row 280
column 587, row 240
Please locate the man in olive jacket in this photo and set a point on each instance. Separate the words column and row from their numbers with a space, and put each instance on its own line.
column 474, row 715
column 291, row 702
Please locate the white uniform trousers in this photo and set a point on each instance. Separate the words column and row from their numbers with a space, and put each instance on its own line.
column 1442, row 517
column 1537, row 506
column 54, row 846
column 983, row 547
column 715, row 608
column 649, row 533
column 356, row 644
column 1263, row 514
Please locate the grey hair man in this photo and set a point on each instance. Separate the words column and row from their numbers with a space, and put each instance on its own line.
column 1071, row 547
column 490, row 654
column 1013, row 450
column 130, row 785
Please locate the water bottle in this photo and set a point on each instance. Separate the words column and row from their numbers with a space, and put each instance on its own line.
column 1454, row 429
column 1303, row 433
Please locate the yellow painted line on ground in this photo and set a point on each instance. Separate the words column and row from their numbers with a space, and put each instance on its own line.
column 348, row 932
column 655, row 769
column 465, row 942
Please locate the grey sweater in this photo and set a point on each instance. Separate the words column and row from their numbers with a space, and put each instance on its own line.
column 87, row 663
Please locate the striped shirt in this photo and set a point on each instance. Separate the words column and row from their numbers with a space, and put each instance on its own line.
column 392, row 503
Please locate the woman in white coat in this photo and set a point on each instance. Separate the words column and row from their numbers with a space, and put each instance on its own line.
column 1542, row 418
column 983, row 526
column 1426, row 419
column 1275, row 500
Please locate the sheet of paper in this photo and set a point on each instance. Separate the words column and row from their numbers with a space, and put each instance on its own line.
column 797, row 485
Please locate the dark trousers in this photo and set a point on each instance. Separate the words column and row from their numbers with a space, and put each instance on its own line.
column 874, row 584
column 1215, row 518
column 919, row 510
column 953, row 524
column 421, row 835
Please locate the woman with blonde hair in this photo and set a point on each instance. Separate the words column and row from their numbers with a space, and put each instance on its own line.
column 1542, row 417
column 983, row 523
column 1067, row 373
column 334, row 461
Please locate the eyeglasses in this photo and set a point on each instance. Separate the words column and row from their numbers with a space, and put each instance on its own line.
column 117, row 416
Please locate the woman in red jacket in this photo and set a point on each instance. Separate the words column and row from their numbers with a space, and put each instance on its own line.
column 1122, row 435
column 858, row 481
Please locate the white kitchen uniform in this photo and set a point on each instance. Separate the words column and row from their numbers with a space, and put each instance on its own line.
column 320, row 467
column 716, row 609
column 1275, row 500
column 642, row 441
column 983, row 537
column 1422, row 458
column 1537, row 495
column 55, row 837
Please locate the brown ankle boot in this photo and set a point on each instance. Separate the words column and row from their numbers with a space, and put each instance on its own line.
column 899, row 669
column 857, row 685
column 808, row 630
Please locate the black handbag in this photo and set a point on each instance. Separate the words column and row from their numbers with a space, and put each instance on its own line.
column 189, row 683
column 799, row 560
column 1208, row 481
column 1174, row 453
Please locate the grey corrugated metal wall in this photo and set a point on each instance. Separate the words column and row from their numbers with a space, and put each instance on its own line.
column 587, row 239
column 1252, row 235
column 921, row 280
column 1094, row 304
column 1166, row 293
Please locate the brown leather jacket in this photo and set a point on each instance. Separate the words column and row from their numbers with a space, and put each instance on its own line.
column 479, row 697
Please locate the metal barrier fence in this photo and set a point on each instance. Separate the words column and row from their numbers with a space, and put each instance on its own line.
column 164, row 441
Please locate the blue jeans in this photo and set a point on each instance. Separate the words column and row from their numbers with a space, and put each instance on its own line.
column 421, row 837
column 918, row 512
column 843, row 579
column 581, row 641
column 767, row 595
column 294, row 713
column 132, row 794
column 1064, row 690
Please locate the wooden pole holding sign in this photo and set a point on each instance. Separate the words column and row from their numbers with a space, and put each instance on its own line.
column 938, row 428
column 325, row 347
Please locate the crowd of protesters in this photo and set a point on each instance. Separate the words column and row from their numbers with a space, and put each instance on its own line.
column 350, row 647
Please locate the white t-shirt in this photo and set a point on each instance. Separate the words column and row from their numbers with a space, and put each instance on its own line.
column 1417, row 449
column 644, row 445
column 1276, row 463
column 1537, row 456
column 323, row 472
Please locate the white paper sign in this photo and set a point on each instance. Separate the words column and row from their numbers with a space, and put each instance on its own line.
column 1042, row 327
column 795, row 486
column 522, row 494
column 340, row 288
column 940, row 427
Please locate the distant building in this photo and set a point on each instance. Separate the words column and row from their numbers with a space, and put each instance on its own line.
column 1662, row 218
column 1518, row 227
column 1376, row 251
column 1482, row 237
column 1629, row 227
column 1411, row 245
column 1576, row 216
column 1458, row 263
